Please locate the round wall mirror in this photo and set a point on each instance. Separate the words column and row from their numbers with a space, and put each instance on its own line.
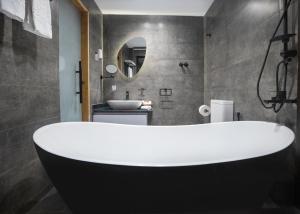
column 111, row 69
column 131, row 57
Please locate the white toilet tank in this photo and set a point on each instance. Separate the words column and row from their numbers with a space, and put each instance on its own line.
column 221, row 111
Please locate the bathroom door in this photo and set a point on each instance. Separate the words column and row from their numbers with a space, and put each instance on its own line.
column 69, row 57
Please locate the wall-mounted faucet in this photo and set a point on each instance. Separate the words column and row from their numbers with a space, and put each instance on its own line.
column 127, row 95
column 183, row 64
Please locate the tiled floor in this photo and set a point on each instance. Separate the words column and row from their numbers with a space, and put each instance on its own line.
column 53, row 204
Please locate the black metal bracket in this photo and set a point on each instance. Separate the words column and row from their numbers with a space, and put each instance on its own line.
column 288, row 54
column 108, row 77
column 283, row 38
column 80, row 82
column 280, row 99
column 275, row 101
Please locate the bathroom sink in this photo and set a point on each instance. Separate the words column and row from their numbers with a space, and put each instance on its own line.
column 124, row 104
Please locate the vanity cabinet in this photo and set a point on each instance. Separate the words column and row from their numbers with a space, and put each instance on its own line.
column 105, row 114
column 122, row 118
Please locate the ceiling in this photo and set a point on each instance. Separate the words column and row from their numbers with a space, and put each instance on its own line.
column 155, row 7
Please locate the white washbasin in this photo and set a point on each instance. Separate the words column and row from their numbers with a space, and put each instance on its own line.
column 125, row 104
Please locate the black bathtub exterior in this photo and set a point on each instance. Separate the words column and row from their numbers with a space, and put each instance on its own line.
column 101, row 188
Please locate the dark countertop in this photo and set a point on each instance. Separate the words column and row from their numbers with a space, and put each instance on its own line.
column 104, row 108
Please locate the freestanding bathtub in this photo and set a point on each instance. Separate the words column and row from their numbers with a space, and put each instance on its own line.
column 111, row 168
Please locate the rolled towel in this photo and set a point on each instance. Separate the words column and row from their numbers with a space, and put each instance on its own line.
column 146, row 108
column 38, row 18
column 130, row 72
column 14, row 9
column 147, row 103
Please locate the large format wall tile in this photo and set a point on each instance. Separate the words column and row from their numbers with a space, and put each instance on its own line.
column 29, row 99
column 240, row 31
column 170, row 40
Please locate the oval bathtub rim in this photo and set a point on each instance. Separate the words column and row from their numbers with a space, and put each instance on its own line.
column 191, row 164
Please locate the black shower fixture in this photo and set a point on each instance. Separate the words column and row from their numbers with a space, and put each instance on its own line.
column 281, row 98
column 184, row 64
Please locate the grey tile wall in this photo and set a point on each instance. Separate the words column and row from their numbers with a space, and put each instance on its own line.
column 96, row 41
column 29, row 99
column 240, row 31
column 170, row 40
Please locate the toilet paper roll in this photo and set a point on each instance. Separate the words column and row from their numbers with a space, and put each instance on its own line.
column 204, row 110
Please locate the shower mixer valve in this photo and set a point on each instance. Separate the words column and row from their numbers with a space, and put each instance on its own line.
column 280, row 98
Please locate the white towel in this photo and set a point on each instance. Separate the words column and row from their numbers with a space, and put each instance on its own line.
column 38, row 18
column 130, row 72
column 147, row 103
column 148, row 108
column 14, row 9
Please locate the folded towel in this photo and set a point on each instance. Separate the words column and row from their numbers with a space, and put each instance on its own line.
column 146, row 108
column 147, row 103
column 38, row 18
column 130, row 72
column 14, row 9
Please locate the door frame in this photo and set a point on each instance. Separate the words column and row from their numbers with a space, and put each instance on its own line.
column 85, row 105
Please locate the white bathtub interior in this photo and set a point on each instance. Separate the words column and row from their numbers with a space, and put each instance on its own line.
column 163, row 146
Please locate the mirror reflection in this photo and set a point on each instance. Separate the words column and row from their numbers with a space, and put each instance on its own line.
column 131, row 57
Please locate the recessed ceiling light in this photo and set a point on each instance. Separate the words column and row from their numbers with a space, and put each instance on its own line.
column 155, row 7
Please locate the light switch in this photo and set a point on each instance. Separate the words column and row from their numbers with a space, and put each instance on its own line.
column 98, row 54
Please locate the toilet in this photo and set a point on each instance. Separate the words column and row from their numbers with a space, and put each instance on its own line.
column 221, row 111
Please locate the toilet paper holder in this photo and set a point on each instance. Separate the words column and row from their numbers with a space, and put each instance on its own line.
column 204, row 110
